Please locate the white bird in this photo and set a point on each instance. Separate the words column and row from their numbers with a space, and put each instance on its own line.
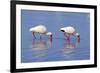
column 41, row 29
column 68, row 31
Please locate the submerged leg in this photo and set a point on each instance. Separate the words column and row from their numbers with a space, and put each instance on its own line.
column 67, row 36
column 40, row 36
column 50, row 38
column 78, row 38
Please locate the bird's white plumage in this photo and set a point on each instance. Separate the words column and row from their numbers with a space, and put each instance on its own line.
column 68, row 29
column 48, row 33
column 77, row 34
column 38, row 29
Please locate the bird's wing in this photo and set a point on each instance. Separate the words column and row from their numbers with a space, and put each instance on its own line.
column 40, row 29
column 69, row 29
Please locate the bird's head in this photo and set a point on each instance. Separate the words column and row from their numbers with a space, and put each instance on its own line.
column 78, row 36
column 62, row 29
column 49, row 34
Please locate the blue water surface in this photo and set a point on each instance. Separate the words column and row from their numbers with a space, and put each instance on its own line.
column 59, row 49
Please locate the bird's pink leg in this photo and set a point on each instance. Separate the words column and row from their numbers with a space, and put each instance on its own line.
column 67, row 36
column 34, row 35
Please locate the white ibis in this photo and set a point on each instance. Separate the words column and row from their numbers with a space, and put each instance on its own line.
column 41, row 29
column 68, row 31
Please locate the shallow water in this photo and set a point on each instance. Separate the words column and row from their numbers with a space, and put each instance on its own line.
column 41, row 50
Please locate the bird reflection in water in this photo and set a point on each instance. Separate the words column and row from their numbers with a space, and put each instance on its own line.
column 69, row 49
column 40, row 49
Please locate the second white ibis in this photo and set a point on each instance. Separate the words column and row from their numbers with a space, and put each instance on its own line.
column 68, row 31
